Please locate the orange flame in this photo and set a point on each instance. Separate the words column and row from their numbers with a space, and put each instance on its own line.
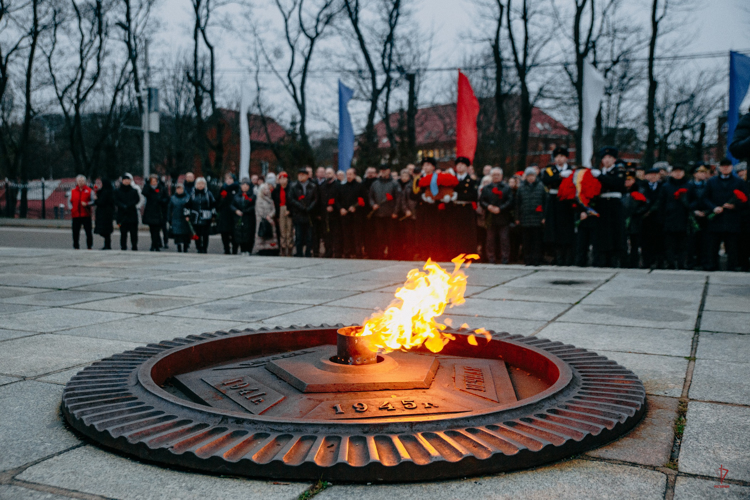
column 410, row 320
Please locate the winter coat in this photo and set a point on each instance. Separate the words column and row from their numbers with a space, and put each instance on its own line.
column 105, row 209
column 406, row 199
column 328, row 193
column 244, row 225
column 352, row 194
column 264, row 210
column 530, row 204
column 499, row 195
column 740, row 145
column 79, row 196
column 156, row 199
column 127, row 199
column 201, row 205
column 653, row 215
column 176, row 213
column 224, row 207
column 384, row 193
column 675, row 210
column 720, row 191
column 633, row 209
column 303, row 202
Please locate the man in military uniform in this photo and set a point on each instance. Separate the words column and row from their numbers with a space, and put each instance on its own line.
column 698, row 234
column 559, row 225
column 609, row 243
column 329, row 200
column 464, row 210
column 653, row 223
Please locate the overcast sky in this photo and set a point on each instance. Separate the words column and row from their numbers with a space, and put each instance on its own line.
column 712, row 26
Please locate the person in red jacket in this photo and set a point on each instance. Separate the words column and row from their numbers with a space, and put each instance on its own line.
column 81, row 199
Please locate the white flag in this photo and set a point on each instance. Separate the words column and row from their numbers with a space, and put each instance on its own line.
column 244, row 136
column 593, row 93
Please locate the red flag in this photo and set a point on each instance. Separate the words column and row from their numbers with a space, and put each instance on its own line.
column 467, row 110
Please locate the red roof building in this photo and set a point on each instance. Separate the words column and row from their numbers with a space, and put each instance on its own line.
column 436, row 132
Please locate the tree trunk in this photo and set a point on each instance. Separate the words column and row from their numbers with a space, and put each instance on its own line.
column 648, row 157
column 501, row 123
column 525, row 125
column 411, row 119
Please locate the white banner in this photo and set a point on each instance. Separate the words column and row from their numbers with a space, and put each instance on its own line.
column 593, row 93
column 244, row 137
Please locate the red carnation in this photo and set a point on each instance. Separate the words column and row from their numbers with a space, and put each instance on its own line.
column 361, row 201
column 538, row 208
column 223, row 193
column 156, row 190
column 679, row 193
column 389, row 196
column 741, row 197
column 196, row 237
column 301, row 197
column 497, row 191
column 638, row 196
column 441, row 206
column 331, row 201
column 474, row 205
column 244, row 195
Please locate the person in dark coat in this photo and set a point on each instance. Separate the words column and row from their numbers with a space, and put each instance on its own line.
column 127, row 200
column 331, row 221
column 202, row 210
column 530, row 203
column 384, row 194
column 725, row 206
column 653, row 222
column 406, row 224
column 634, row 205
column 303, row 200
column 464, row 210
column 353, row 203
column 176, row 213
column 698, row 241
column 243, row 206
column 226, row 214
column 740, row 145
column 497, row 199
column 368, row 234
column 609, row 242
column 153, row 213
column 105, row 212
column 743, row 244
column 559, row 216
column 675, row 207
column 165, row 220
column 189, row 183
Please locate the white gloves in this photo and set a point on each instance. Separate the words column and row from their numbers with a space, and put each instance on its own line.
column 596, row 172
column 427, row 199
column 566, row 173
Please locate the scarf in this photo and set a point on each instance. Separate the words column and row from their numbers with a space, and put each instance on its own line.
column 434, row 184
column 282, row 197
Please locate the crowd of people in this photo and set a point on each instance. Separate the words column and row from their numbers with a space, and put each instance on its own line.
column 615, row 215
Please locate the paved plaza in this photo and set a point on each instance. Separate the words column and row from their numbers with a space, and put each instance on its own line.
column 686, row 334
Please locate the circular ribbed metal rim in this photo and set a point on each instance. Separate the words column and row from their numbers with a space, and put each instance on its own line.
column 107, row 403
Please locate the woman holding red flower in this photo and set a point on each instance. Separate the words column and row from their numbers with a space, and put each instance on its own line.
column 675, row 207
column 726, row 198
column 634, row 206
column 497, row 199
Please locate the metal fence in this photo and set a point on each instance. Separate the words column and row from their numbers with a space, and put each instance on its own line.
column 38, row 199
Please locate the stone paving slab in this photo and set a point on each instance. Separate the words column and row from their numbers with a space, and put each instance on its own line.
column 98, row 472
column 731, row 322
column 716, row 435
column 299, row 295
column 621, row 338
column 575, row 479
column 13, row 334
column 222, row 291
column 641, row 316
column 54, row 319
column 661, row 375
column 135, row 285
column 564, row 279
column 6, row 308
column 140, row 304
column 7, row 292
column 29, row 357
column 721, row 381
column 724, row 347
column 558, row 295
column 540, row 311
column 672, row 300
column 62, row 377
column 56, row 282
column 30, row 423
column 10, row 492
column 512, row 326
column 152, row 328
column 728, row 298
column 319, row 315
column 60, row 298
column 650, row 443
column 690, row 488
column 236, row 309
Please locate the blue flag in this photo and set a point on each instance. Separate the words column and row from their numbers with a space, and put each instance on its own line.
column 346, row 132
column 739, row 81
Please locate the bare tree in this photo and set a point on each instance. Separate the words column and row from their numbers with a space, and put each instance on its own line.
column 657, row 16
column 303, row 29
column 134, row 25
column 176, row 141
column 526, row 54
column 83, row 46
column 204, row 87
